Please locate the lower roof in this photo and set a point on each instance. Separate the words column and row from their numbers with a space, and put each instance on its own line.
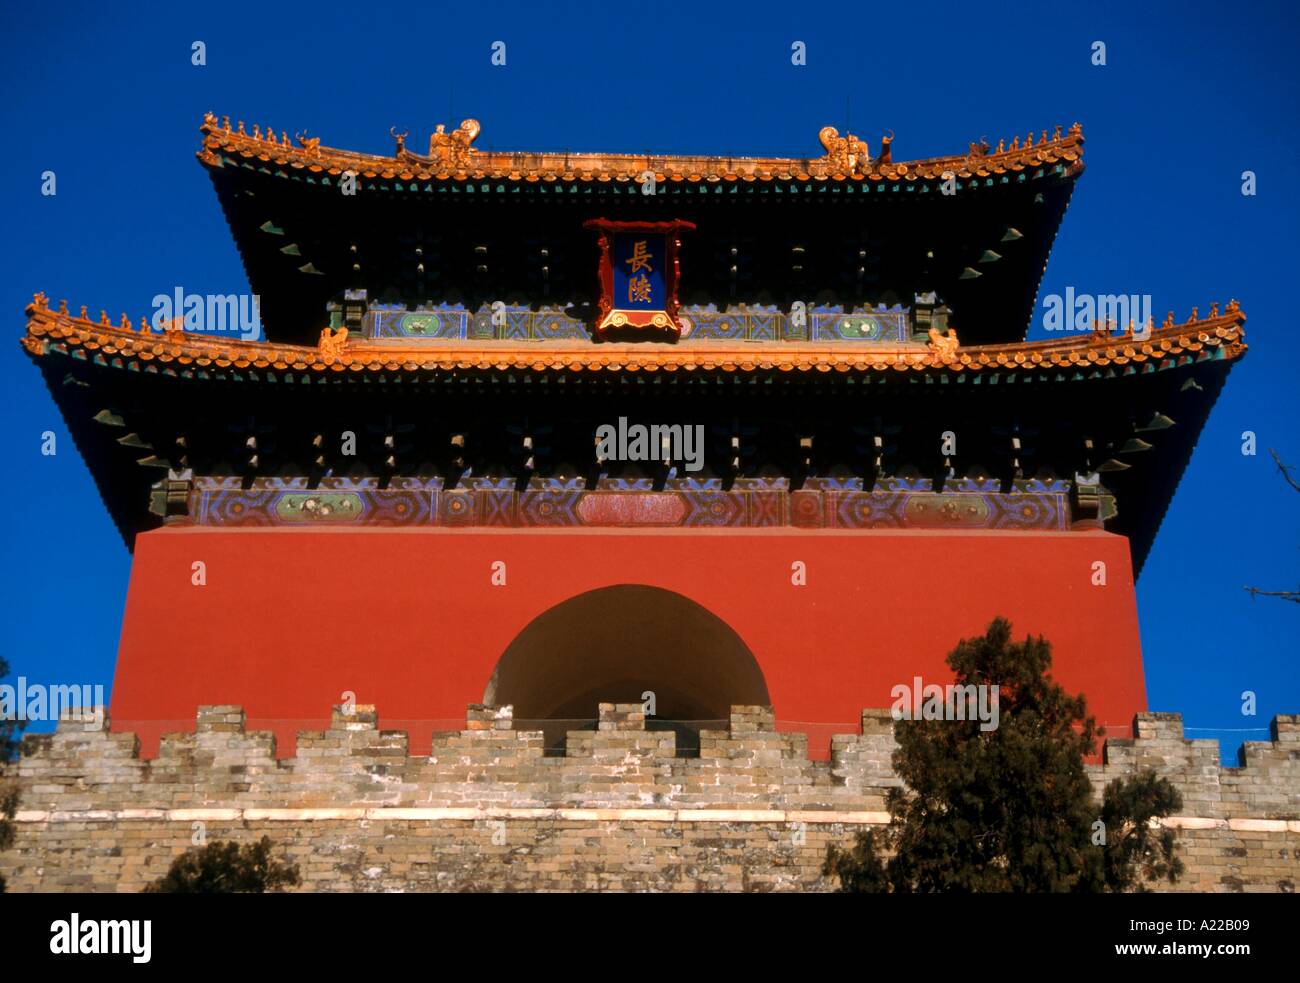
column 141, row 404
column 53, row 331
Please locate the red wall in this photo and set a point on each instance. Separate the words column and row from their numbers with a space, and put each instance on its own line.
column 408, row 619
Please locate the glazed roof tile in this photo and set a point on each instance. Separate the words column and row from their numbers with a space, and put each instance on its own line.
column 452, row 156
column 55, row 330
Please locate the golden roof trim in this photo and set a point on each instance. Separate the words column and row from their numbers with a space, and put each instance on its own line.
column 452, row 156
column 336, row 353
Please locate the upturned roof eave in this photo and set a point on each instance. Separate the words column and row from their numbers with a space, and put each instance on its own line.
column 846, row 159
column 334, row 353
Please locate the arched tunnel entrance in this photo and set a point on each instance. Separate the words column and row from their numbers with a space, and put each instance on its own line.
column 614, row 644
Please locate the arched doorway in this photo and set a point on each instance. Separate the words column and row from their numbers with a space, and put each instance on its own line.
column 614, row 644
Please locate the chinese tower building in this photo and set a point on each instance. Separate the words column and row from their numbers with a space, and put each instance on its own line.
column 556, row 429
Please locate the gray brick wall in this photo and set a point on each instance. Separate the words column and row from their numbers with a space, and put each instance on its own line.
column 619, row 811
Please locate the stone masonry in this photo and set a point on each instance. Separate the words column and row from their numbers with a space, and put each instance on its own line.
column 488, row 810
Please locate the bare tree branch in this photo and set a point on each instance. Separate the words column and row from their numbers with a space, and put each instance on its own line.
column 1286, row 595
column 1285, row 469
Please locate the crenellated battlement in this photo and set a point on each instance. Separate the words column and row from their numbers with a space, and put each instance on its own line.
column 618, row 809
column 620, row 763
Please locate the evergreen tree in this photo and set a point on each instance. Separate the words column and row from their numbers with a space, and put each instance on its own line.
column 226, row 868
column 1010, row 809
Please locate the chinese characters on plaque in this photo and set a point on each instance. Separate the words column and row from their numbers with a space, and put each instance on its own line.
column 638, row 276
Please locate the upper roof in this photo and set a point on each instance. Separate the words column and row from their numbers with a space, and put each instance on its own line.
column 452, row 156
column 852, row 226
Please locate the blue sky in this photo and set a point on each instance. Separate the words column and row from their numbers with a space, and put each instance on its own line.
column 1192, row 95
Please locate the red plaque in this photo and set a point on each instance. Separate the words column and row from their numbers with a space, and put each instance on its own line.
column 638, row 277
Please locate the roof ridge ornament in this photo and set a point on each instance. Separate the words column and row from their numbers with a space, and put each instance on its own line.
column 454, row 147
column 944, row 350
column 943, row 347
column 332, row 342
column 886, row 153
column 846, row 156
column 845, row 151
